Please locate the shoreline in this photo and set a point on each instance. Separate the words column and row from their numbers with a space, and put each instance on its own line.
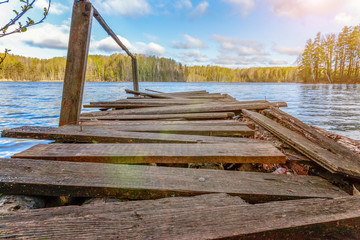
column 25, row 80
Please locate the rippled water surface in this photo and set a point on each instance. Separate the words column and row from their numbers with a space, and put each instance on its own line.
column 332, row 107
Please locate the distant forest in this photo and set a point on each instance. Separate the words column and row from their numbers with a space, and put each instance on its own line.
column 333, row 58
column 117, row 68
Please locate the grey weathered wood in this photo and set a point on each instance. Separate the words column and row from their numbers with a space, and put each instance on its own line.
column 182, row 218
column 109, row 134
column 153, row 95
column 76, row 62
column 156, row 102
column 135, row 73
column 186, row 92
column 220, row 131
column 313, row 135
column 323, row 156
column 182, row 116
column 157, row 153
column 118, row 41
column 50, row 178
column 170, row 122
column 196, row 108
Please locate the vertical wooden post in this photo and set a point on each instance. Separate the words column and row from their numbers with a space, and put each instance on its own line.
column 135, row 74
column 76, row 62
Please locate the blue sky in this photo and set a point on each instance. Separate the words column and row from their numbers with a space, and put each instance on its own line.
column 229, row 33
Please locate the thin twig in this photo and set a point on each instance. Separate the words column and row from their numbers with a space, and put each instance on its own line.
column 29, row 23
column 5, row 54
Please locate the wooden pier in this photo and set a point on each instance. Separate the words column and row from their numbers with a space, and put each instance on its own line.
column 181, row 165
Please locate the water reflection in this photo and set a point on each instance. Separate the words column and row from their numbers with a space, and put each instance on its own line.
column 332, row 107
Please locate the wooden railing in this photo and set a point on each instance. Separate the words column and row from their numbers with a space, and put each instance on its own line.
column 81, row 22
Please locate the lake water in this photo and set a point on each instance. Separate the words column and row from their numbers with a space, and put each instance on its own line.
column 333, row 107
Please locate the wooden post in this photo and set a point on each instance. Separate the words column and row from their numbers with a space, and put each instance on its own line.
column 135, row 74
column 76, row 62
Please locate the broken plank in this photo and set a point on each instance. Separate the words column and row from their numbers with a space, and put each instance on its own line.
column 320, row 155
column 183, row 116
column 191, row 218
column 196, row 108
column 186, row 92
column 313, row 135
column 152, row 95
column 51, row 178
column 157, row 153
column 107, row 134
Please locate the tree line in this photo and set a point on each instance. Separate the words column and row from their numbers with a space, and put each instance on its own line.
column 332, row 58
column 117, row 68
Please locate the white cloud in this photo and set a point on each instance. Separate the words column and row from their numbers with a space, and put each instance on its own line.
column 133, row 8
column 349, row 15
column 301, row 8
column 236, row 61
column 183, row 4
column 110, row 46
column 288, row 51
column 239, row 46
column 52, row 39
column 48, row 36
column 194, row 56
column 150, row 49
column 55, row 8
column 190, row 42
column 278, row 62
column 199, row 10
column 243, row 6
column 345, row 19
column 7, row 12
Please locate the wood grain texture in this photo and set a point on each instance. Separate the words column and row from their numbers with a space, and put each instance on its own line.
column 76, row 63
column 323, row 156
column 313, row 135
column 227, row 131
column 109, row 134
column 51, row 178
column 157, row 153
column 196, row 108
column 163, row 219
column 152, row 95
column 183, row 116
column 169, row 122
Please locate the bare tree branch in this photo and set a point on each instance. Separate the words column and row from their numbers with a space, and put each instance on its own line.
column 4, row 1
column 3, row 57
column 22, row 28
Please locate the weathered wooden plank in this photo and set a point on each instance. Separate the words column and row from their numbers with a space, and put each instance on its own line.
column 193, row 219
column 76, row 62
column 153, row 95
column 183, row 116
column 324, row 157
column 186, row 92
column 51, row 178
column 168, row 122
column 196, row 108
column 141, row 103
column 220, row 131
column 313, row 135
column 109, row 134
column 157, row 153
column 228, row 131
